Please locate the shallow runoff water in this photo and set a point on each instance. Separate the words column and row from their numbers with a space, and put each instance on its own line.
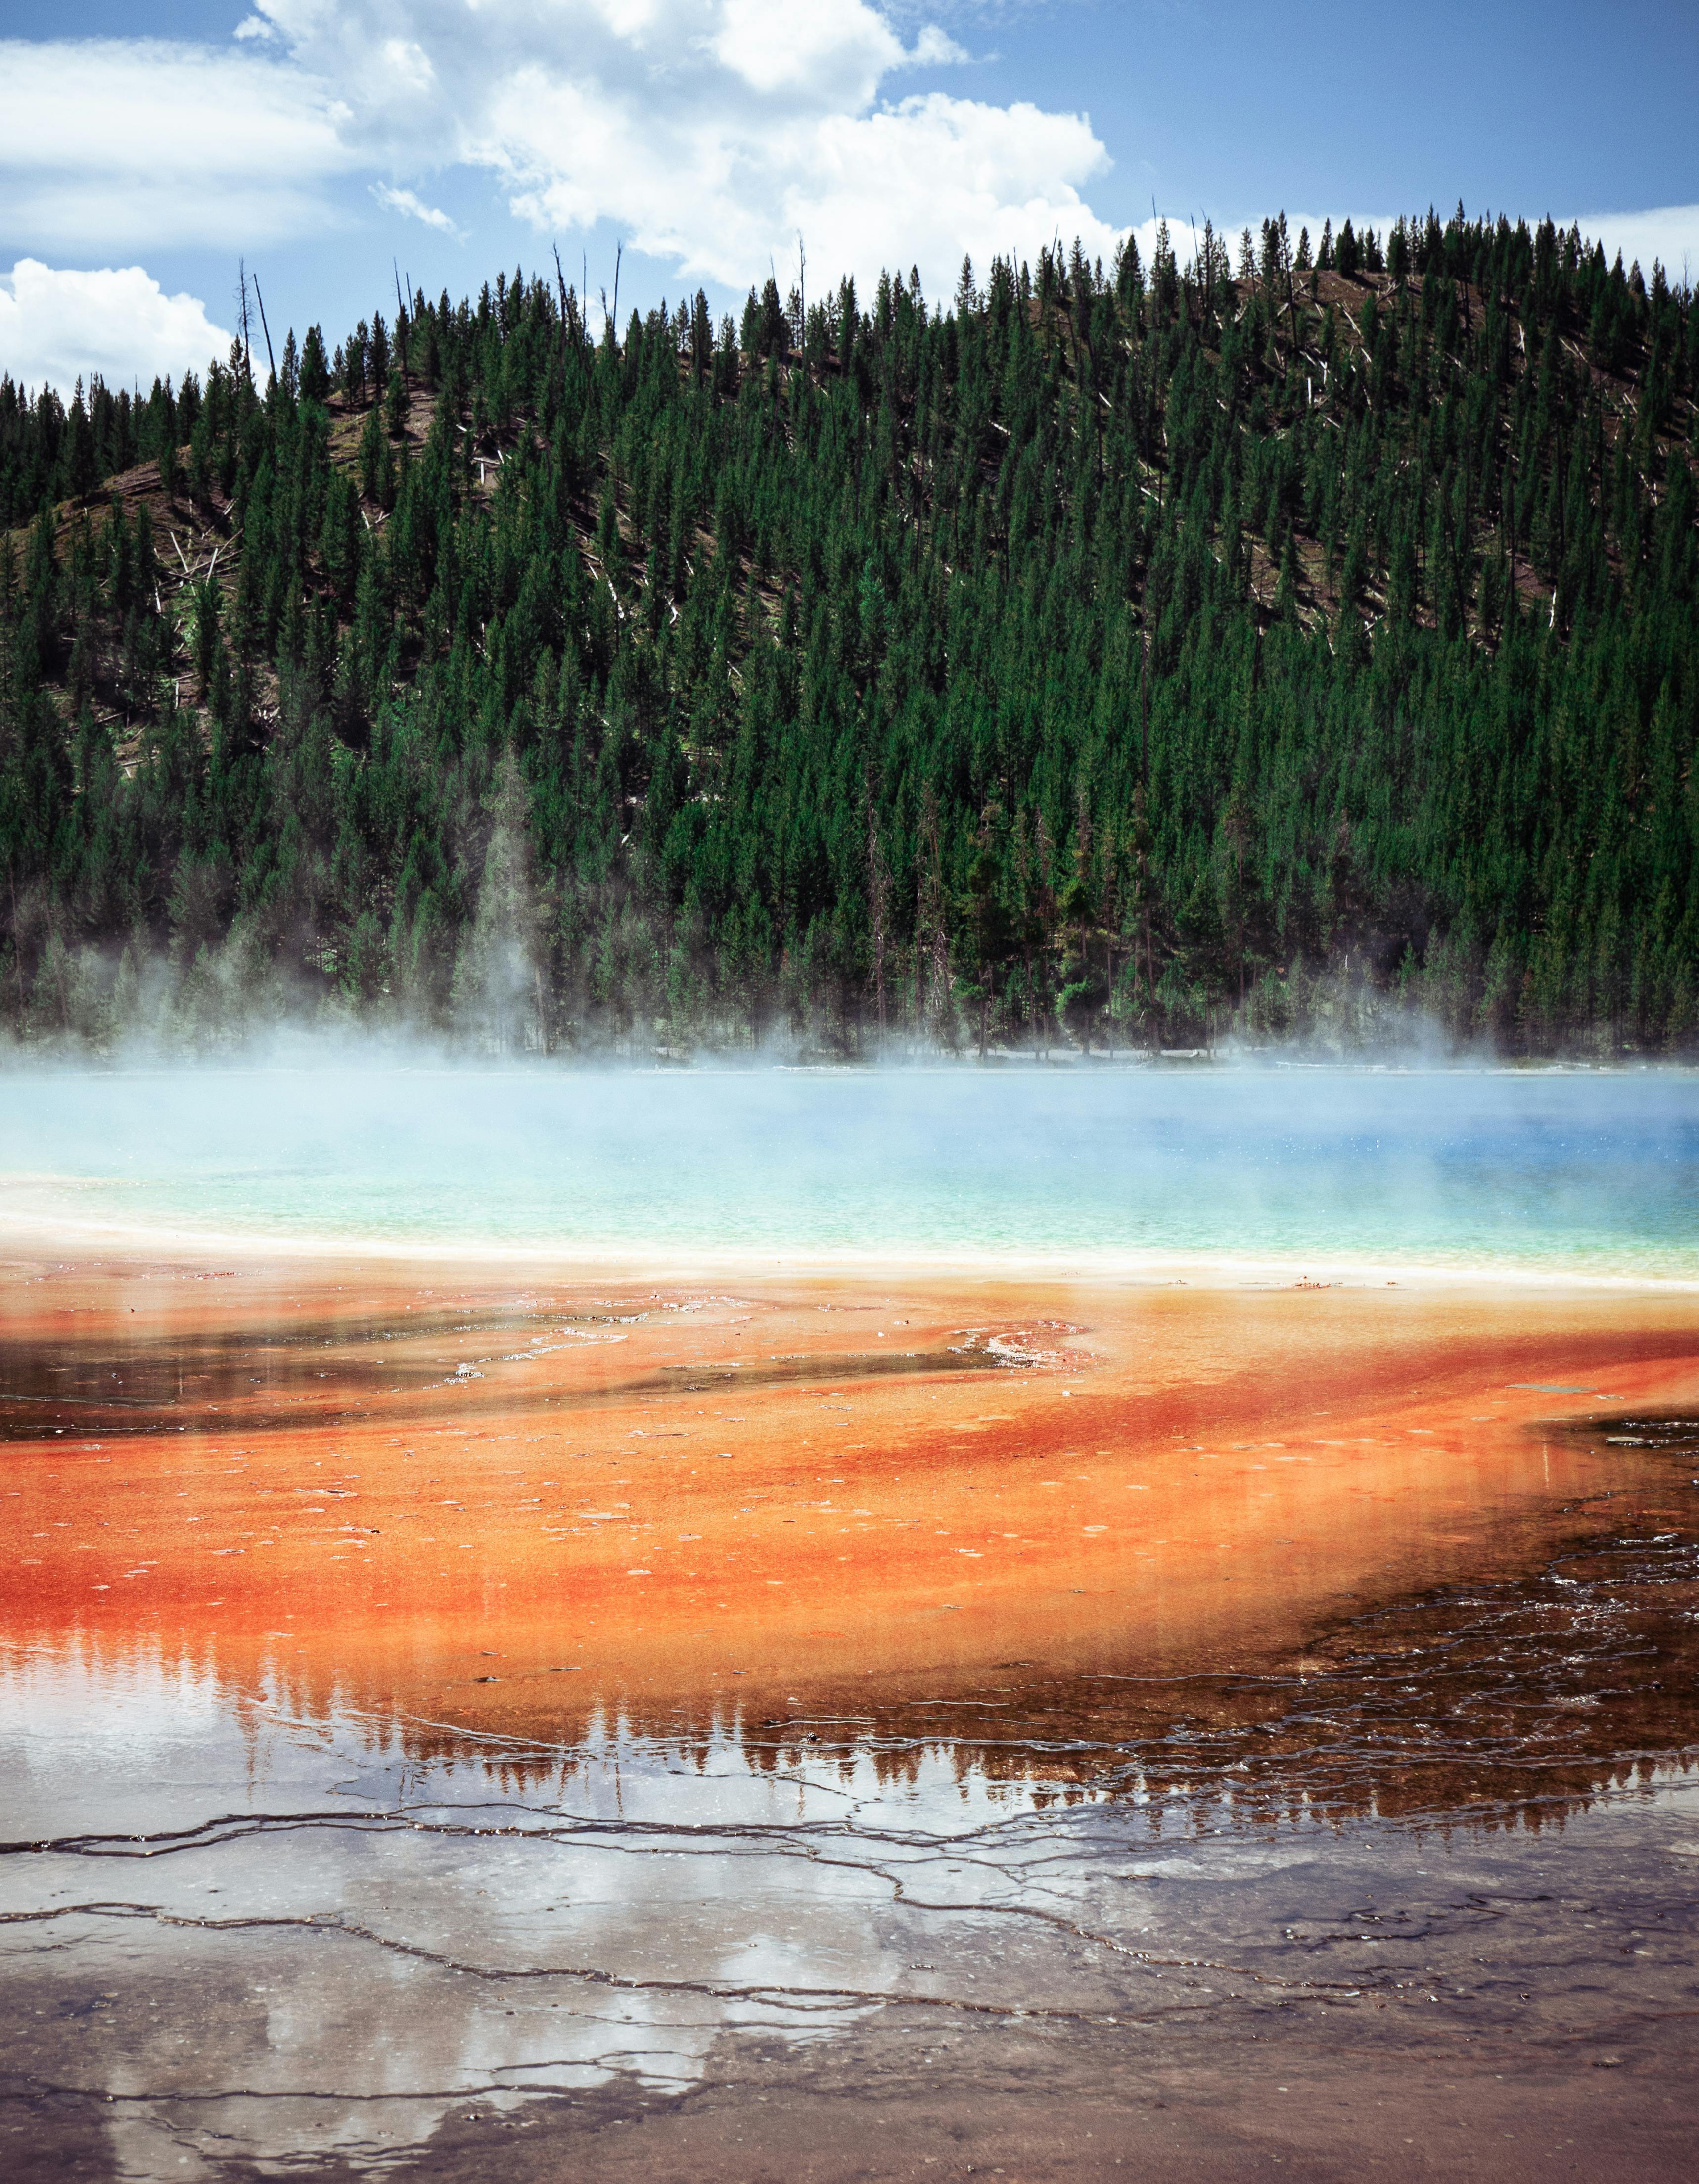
column 1562, row 1172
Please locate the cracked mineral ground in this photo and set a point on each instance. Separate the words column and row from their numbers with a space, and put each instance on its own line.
column 881, row 1726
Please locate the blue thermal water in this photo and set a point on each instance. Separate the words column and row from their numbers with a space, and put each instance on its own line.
column 1562, row 1171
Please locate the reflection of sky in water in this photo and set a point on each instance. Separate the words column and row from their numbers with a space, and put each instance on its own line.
column 1584, row 1171
column 274, row 1938
column 355, row 1922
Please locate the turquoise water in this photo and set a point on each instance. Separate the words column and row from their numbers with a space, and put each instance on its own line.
column 1561, row 1173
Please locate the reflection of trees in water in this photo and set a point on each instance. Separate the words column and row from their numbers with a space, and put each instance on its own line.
column 1501, row 1703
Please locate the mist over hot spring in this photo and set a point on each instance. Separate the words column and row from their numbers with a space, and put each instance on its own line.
column 1568, row 1171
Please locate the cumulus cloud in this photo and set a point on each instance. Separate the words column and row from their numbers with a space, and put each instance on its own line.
column 120, row 143
column 58, row 326
column 713, row 130
column 710, row 130
column 832, row 49
column 935, row 178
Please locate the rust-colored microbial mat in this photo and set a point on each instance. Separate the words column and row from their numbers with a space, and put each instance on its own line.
column 528, row 1722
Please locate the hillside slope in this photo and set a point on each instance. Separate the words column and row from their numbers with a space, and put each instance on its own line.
column 1135, row 654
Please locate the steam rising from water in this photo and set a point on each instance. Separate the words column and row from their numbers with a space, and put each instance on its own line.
column 1564, row 1173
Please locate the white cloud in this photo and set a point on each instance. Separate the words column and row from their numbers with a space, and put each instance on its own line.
column 408, row 63
column 936, row 48
column 414, row 207
column 927, row 180
column 58, row 326
column 835, row 51
column 708, row 129
column 119, row 143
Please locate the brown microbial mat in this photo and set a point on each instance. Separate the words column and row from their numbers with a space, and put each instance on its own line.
column 884, row 1726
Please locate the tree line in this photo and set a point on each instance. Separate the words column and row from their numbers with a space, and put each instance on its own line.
column 1264, row 642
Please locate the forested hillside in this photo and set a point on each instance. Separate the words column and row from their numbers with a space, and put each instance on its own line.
column 1136, row 653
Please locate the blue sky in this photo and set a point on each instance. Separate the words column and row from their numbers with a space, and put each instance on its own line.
column 145, row 148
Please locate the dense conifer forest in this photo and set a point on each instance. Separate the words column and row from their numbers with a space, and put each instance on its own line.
column 1258, row 644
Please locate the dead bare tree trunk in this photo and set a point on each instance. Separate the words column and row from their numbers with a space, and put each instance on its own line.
column 266, row 330
column 400, row 326
column 246, row 356
column 560, row 282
